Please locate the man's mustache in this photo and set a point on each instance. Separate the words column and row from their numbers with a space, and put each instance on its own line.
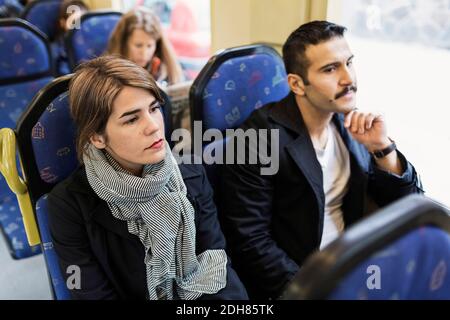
column 345, row 91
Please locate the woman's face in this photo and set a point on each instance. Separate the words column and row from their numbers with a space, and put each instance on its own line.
column 140, row 47
column 134, row 134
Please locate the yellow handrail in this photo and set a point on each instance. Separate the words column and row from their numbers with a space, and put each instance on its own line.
column 8, row 169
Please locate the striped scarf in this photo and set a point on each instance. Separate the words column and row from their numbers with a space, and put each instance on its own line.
column 157, row 210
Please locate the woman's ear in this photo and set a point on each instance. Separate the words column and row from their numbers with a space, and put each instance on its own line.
column 98, row 141
column 296, row 84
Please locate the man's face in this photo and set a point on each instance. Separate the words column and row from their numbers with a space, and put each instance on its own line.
column 332, row 79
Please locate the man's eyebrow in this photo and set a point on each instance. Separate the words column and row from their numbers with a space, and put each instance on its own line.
column 334, row 64
column 128, row 113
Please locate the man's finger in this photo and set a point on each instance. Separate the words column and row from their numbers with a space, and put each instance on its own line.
column 348, row 118
column 355, row 121
column 361, row 123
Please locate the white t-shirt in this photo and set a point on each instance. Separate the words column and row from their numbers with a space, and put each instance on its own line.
column 335, row 162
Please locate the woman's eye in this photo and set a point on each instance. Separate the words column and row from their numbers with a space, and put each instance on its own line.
column 132, row 120
column 155, row 107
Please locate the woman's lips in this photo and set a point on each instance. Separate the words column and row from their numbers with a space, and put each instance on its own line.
column 157, row 144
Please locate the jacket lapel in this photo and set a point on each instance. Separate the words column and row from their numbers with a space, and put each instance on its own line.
column 287, row 114
column 301, row 149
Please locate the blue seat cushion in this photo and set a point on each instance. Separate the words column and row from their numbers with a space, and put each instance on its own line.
column 12, row 225
column 416, row 266
column 15, row 98
column 241, row 85
column 45, row 16
column 23, row 53
column 92, row 39
column 51, row 259
column 53, row 141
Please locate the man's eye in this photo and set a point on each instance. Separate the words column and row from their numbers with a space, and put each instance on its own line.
column 329, row 70
column 349, row 63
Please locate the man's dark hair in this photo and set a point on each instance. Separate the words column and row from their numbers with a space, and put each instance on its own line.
column 311, row 33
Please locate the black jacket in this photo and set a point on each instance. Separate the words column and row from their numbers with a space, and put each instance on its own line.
column 110, row 258
column 272, row 223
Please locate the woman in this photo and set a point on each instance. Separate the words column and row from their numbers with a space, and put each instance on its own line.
column 139, row 37
column 136, row 224
column 69, row 12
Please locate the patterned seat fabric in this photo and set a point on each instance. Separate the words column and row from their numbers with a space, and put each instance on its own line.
column 44, row 15
column 15, row 98
column 10, row 8
column 91, row 40
column 241, row 85
column 53, row 141
column 417, row 266
column 58, row 283
column 231, row 86
column 12, row 225
column 59, row 55
column 25, row 68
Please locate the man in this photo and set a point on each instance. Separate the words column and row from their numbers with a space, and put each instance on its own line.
column 331, row 155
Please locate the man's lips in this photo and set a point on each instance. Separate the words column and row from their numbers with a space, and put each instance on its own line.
column 347, row 92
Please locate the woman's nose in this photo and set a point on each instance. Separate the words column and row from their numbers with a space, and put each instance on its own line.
column 150, row 125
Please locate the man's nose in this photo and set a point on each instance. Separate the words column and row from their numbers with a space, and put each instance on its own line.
column 346, row 78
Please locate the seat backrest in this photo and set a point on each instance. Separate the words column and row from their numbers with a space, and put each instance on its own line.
column 25, row 61
column 44, row 15
column 400, row 252
column 91, row 39
column 235, row 82
column 46, row 139
column 10, row 8
column 25, row 67
column 229, row 88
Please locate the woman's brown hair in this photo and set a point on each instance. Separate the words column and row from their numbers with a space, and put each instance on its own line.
column 93, row 89
column 144, row 19
column 64, row 14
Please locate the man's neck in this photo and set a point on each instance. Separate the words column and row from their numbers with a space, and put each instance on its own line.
column 316, row 121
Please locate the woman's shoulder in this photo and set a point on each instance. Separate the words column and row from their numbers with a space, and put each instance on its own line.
column 73, row 190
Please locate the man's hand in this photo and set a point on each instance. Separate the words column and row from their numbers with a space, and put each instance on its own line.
column 368, row 129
